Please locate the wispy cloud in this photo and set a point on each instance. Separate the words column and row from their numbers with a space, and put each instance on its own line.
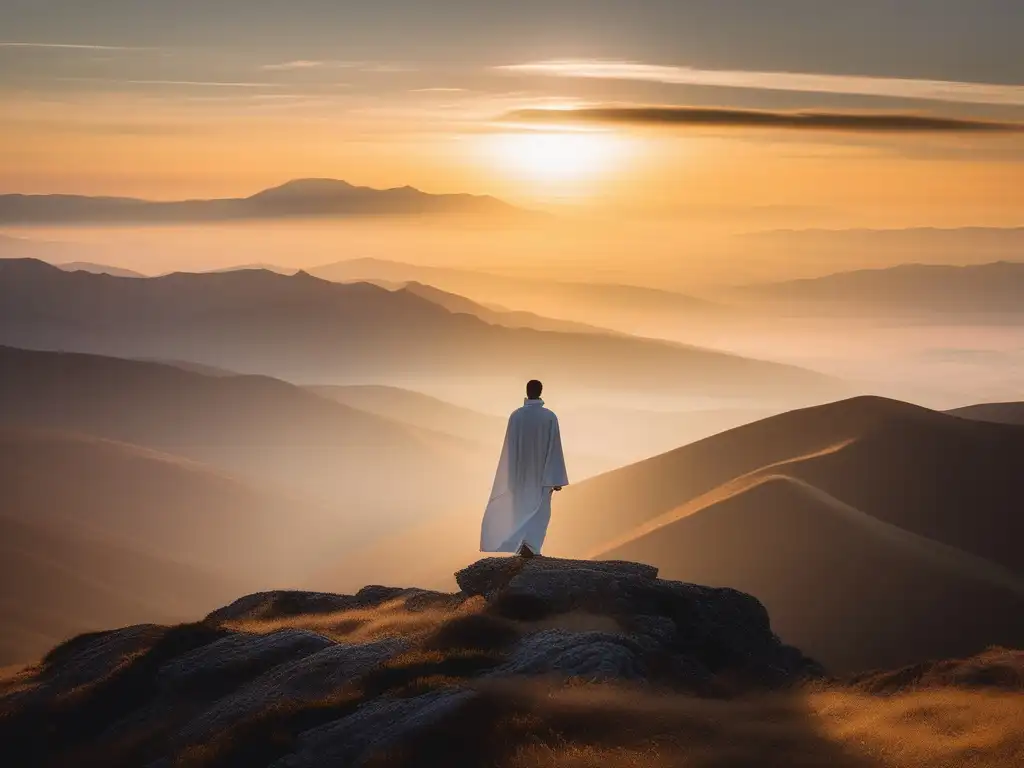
column 891, row 87
column 183, row 83
column 438, row 90
column 288, row 66
column 864, row 122
column 361, row 66
column 73, row 46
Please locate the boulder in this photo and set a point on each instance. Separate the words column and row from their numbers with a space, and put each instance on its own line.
column 590, row 656
column 492, row 575
column 85, row 660
column 241, row 656
column 304, row 679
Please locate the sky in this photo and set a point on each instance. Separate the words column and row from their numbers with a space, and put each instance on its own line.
column 903, row 112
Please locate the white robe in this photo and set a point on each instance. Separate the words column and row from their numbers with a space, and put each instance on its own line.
column 530, row 467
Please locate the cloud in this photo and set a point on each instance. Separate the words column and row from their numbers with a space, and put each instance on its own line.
column 288, row 66
column 864, row 122
column 361, row 66
column 73, row 46
column 178, row 83
column 890, row 87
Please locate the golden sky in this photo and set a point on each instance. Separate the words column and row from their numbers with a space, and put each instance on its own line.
column 144, row 100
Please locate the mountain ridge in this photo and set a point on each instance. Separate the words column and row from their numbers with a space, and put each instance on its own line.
column 991, row 288
column 304, row 328
column 294, row 199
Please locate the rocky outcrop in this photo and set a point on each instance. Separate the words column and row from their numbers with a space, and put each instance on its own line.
column 595, row 657
column 491, row 576
column 274, row 678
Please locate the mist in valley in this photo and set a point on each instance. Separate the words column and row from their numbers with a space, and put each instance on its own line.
column 361, row 372
column 279, row 284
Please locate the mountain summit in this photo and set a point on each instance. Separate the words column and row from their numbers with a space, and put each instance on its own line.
column 309, row 679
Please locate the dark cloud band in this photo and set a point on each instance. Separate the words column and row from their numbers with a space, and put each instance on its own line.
column 864, row 122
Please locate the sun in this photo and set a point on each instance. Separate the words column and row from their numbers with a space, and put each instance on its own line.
column 555, row 157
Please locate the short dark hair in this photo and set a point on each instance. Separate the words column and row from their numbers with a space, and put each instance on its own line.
column 533, row 389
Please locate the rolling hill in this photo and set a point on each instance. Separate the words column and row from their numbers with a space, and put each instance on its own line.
column 305, row 329
column 903, row 464
column 156, row 503
column 96, row 533
column 860, row 592
column 275, row 435
column 419, row 410
column 57, row 584
column 300, row 198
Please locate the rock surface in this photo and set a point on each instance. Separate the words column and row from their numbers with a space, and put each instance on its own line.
column 275, row 679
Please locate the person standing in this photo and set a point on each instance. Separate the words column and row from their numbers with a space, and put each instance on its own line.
column 530, row 470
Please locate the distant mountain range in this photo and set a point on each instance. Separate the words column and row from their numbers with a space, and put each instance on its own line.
column 309, row 330
column 984, row 289
column 457, row 304
column 99, row 269
column 632, row 308
column 296, row 199
column 915, row 243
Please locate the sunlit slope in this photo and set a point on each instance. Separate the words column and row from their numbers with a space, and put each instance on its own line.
column 95, row 534
column 56, row 583
column 274, row 434
column 417, row 409
column 151, row 502
column 949, row 479
column 853, row 591
column 314, row 331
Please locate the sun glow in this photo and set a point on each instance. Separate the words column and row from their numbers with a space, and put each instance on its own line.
column 556, row 157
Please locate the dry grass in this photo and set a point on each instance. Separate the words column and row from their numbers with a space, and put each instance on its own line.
column 583, row 727
column 390, row 619
column 1001, row 668
column 952, row 714
column 937, row 728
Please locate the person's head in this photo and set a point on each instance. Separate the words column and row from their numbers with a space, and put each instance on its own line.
column 533, row 389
